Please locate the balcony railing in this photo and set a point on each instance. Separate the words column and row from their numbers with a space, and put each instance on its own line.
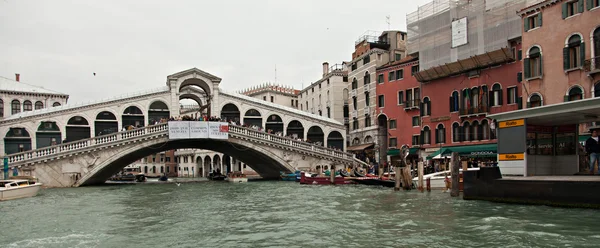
column 354, row 113
column 592, row 65
column 367, row 110
column 329, row 104
column 367, row 87
column 346, row 120
column 482, row 109
column 353, row 93
column 414, row 103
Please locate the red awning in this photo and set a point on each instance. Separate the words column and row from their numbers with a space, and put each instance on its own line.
column 360, row 147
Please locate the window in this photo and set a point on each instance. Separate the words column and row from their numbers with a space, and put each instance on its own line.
column 596, row 92
column 572, row 8
column 415, row 121
column 414, row 69
column 535, row 101
column 296, row 103
column 367, row 121
column 320, row 85
column 592, row 4
column 466, row 130
column 392, row 124
column 426, row 135
column 393, row 142
column 415, row 140
column 292, row 102
column 27, row 106
column 367, row 102
column 380, row 78
column 328, row 112
column 401, row 97
column 426, row 107
column 56, row 104
column 168, row 159
column 353, row 66
column 366, row 59
column 496, row 96
column 264, row 98
column 320, row 113
column 511, row 95
column 391, row 76
column 354, row 84
column 398, row 56
column 456, row 132
column 409, row 98
column 454, row 100
column 162, row 158
column 399, row 74
column 533, row 21
column 367, row 78
column 573, row 53
column 533, row 63
column 440, row 134
column 381, row 101
column 185, row 159
column 575, row 94
column 1, row 108
column 272, row 98
column 485, row 128
column 39, row 105
column 355, row 124
column 354, row 103
column 474, row 131
column 312, row 90
column 15, row 107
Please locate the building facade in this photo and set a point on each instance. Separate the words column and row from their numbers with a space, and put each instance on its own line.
column 278, row 94
column 325, row 96
column 370, row 52
column 17, row 97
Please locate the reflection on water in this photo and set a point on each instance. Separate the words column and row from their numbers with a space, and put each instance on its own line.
column 282, row 214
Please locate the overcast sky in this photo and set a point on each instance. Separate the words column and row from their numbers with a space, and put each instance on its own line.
column 133, row 46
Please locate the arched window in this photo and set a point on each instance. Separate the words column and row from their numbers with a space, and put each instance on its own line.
column 440, row 134
column 596, row 38
column 466, row 132
column 27, row 106
column 535, row 101
column 475, row 131
column 1, row 108
column 597, row 88
column 426, row 134
column 454, row 100
column 496, row 97
column 426, row 107
column 15, row 107
column 485, row 130
column 575, row 94
column 367, row 78
column 475, row 98
column 354, row 84
column 56, row 104
column 533, row 63
column 39, row 105
column 573, row 52
column 455, row 132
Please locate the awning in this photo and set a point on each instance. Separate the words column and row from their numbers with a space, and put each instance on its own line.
column 396, row 152
column 488, row 150
column 583, row 138
column 438, row 154
column 360, row 147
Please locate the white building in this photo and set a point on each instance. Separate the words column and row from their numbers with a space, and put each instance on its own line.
column 325, row 96
column 278, row 94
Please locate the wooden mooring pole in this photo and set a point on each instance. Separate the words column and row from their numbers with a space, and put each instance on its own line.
column 398, row 176
column 420, row 171
column 455, row 163
column 332, row 174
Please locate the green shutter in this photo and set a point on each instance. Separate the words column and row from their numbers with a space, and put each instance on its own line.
column 539, row 19
column 566, row 98
column 564, row 10
column 589, row 4
column 500, row 97
column 566, row 58
column 520, row 102
column 526, row 64
column 526, row 24
column 580, row 6
column 520, row 54
column 451, row 105
column 429, row 107
column 582, row 54
column 421, row 113
column 528, row 105
column 519, row 76
column 541, row 68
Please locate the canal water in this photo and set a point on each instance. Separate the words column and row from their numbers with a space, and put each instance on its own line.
column 282, row 214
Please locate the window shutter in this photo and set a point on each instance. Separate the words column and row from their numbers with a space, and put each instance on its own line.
column 526, row 64
column 520, row 54
column 526, row 24
column 437, row 139
column 500, row 97
column 582, row 54
column 461, row 133
column 429, row 107
column 421, row 109
column 528, row 104
column 541, row 68
column 451, row 105
column 564, row 10
column 539, row 19
column 580, row 6
column 589, row 4
column 520, row 102
column 519, row 76
column 491, row 98
column 479, row 132
column 566, row 98
column 421, row 137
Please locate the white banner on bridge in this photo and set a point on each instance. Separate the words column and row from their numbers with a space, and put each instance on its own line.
column 198, row 129
column 179, row 130
column 218, row 130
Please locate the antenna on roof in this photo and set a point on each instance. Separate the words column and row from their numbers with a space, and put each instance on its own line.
column 387, row 19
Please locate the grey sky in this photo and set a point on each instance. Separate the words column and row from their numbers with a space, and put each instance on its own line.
column 133, row 45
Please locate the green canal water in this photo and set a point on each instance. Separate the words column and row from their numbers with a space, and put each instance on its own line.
column 282, row 214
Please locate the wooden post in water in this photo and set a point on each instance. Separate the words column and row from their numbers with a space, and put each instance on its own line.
column 429, row 184
column 420, row 171
column 455, row 163
column 407, row 182
column 398, row 170
column 332, row 174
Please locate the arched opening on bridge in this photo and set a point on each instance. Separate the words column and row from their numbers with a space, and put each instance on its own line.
column 17, row 140
column 132, row 117
column 295, row 130
column 227, row 162
column 158, row 110
column 230, row 112
column 216, row 160
column 200, row 167
column 48, row 134
column 105, row 123
column 274, row 123
column 382, row 132
column 196, row 89
column 78, row 128
column 315, row 135
column 335, row 140
column 190, row 102
column 253, row 118
column 207, row 164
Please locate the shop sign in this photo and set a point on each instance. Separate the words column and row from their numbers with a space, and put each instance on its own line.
column 512, row 123
column 511, row 157
column 442, row 118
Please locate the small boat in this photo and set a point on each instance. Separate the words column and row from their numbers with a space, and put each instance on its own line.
column 216, row 176
column 163, row 178
column 287, row 176
column 237, row 177
column 344, row 173
column 18, row 188
column 319, row 180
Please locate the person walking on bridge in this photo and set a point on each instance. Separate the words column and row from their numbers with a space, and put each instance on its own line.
column 592, row 147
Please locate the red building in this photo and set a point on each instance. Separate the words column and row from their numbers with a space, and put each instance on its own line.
column 454, row 105
column 398, row 99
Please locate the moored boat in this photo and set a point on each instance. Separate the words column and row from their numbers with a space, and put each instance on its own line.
column 216, row 176
column 237, row 177
column 287, row 176
column 18, row 188
column 306, row 179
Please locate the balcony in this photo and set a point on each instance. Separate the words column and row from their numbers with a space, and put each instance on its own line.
column 329, row 104
column 353, row 93
column 346, row 120
column 472, row 111
column 592, row 66
column 412, row 104
column 367, row 87
column 354, row 113
column 367, row 110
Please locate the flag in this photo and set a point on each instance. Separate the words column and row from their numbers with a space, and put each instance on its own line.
column 468, row 98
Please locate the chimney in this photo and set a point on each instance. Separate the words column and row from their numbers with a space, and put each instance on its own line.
column 17, row 77
column 325, row 68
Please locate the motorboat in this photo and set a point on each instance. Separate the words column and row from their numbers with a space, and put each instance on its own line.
column 216, row 176
column 237, row 177
column 307, row 178
column 288, row 176
column 18, row 188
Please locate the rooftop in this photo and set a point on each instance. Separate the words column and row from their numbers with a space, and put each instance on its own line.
column 11, row 85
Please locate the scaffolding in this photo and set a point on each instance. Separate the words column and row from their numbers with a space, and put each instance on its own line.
column 490, row 25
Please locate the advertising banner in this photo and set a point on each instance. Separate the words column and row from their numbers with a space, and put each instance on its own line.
column 218, row 130
column 198, row 130
column 179, row 130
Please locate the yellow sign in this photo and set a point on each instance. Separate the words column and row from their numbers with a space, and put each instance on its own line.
column 513, row 123
column 510, row 157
